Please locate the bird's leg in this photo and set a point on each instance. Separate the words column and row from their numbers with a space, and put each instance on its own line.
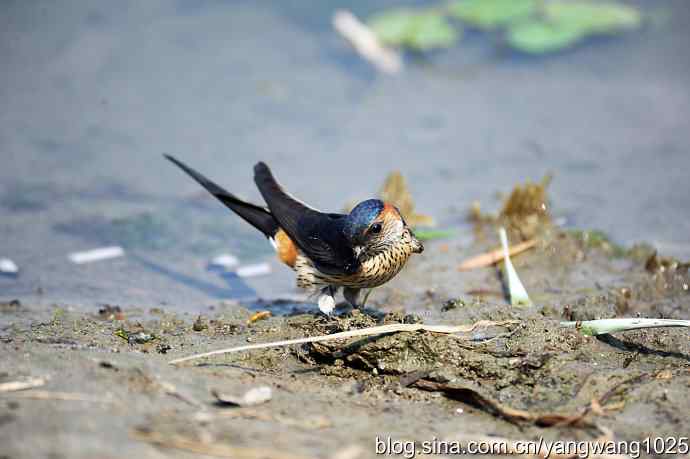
column 366, row 296
column 352, row 296
column 326, row 300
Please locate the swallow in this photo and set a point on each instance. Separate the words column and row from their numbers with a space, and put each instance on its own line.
column 328, row 251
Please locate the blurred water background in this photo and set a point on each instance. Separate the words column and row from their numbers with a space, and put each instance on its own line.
column 92, row 94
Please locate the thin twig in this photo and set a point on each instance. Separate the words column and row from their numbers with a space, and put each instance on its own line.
column 366, row 43
column 314, row 423
column 171, row 390
column 494, row 256
column 14, row 386
column 350, row 452
column 476, row 398
column 63, row 396
column 500, row 335
column 379, row 330
column 211, row 449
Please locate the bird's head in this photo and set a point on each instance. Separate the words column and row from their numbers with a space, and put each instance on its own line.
column 374, row 226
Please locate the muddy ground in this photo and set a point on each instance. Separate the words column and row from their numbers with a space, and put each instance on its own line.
column 109, row 390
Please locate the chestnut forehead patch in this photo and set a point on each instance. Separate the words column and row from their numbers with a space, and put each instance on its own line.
column 389, row 213
column 389, row 210
column 391, row 219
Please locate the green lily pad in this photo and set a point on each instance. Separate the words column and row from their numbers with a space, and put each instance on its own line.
column 432, row 31
column 538, row 37
column 563, row 24
column 421, row 31
column 590, row 18
column 391, row 27
column 490, row 14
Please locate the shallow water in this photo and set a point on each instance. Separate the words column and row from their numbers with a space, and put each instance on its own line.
column 92, row 95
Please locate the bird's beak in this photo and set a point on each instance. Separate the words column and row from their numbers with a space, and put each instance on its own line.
column 417, row 246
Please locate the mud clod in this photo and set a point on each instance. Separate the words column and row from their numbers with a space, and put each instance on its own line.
column 452, row 304
column 10, row 306
column 200, row 324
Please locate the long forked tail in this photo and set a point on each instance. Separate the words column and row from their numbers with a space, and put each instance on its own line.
column 257, row 216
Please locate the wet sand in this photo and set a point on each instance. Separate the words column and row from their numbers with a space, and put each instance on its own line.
column 335, row 397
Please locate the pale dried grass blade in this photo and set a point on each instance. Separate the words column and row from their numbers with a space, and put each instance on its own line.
column 14, row 386
column 366, row 43
column 378, row 330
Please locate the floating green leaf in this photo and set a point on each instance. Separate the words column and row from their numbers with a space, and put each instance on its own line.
column 537, row 37
column 590, row 18
column 563, row 24
column 430, row 31
column 391, row 27
column 490, row 14
column 414, row 29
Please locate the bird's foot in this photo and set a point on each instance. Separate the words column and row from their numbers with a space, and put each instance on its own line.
column 352, row 296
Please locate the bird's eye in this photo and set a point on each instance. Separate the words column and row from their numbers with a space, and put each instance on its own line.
column 375, row 228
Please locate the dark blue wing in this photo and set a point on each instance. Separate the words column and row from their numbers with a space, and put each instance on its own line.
column 318, row 235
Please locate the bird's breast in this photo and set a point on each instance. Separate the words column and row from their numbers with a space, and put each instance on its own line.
column 378, row 269
column 374, row 271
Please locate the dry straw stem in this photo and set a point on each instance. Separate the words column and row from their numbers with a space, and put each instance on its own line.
column 305, row 423
column 350, row 452
column 494, row 256
column 604, row 326
column 366, row 43
column 210, row 449
column 61, row 396
column 14, row 386
column 579, row 419
column 171, row 390
column 379, row 330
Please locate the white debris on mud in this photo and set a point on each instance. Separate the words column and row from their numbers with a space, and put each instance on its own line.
column 224, row 261
column 101, row 253
column 259, row 269
column 8, row 266
column 254, row 396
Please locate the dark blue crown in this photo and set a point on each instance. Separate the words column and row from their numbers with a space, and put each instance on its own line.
column 361, row 217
